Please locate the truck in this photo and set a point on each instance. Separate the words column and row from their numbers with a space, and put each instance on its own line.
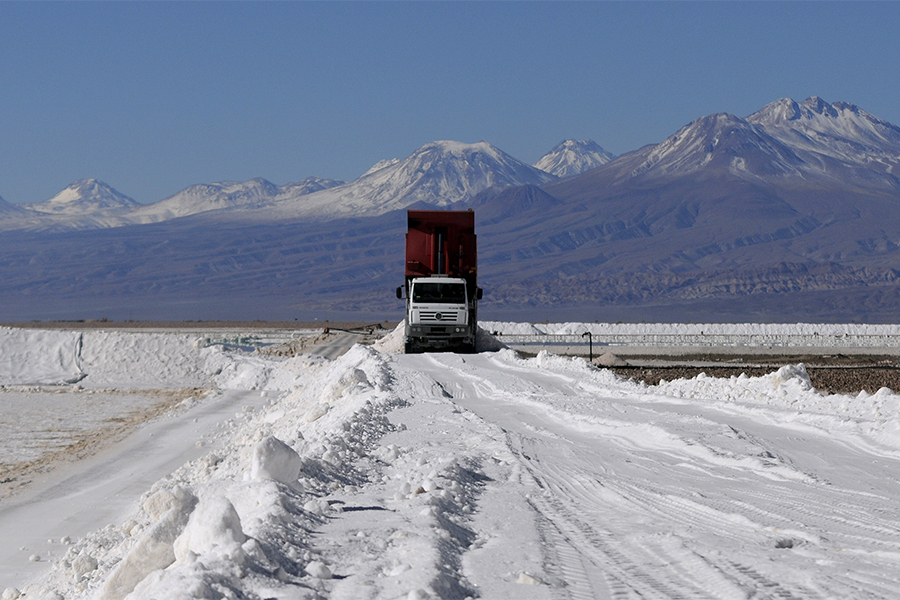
column 441, row 284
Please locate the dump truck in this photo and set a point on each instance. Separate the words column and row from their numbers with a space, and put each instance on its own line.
column 441, row 285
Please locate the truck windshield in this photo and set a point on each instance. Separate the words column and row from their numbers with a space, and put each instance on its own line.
column 451, row 293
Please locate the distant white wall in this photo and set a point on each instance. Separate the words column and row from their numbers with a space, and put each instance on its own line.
column 35, row 357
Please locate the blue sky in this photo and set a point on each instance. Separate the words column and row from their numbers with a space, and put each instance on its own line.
column 153, row 97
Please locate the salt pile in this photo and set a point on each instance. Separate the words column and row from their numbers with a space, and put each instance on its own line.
column 439, row 475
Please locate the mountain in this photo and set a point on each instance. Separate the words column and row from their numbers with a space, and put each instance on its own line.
column 785, row 143
column 573, row 157
column 86, row 197
column 253, row 195
column 207, row 197
column 839, row 139
column 723, row 143
column 799, row 214
column 440, row 174
column 84, row 204
column 840, row 130
column 790, row 214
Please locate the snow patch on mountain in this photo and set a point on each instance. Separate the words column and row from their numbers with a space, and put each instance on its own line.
column 573, row 157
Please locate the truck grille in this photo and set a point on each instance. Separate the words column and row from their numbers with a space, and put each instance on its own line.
column 437, row 316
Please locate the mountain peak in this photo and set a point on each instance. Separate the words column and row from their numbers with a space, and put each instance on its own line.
column 819, row 106
column 573, row 157
column 453, row 150
column 440, row 173
column 784, row 110
column 86, row 197
column 454, row 147
column 836, row 130
column 723, row 140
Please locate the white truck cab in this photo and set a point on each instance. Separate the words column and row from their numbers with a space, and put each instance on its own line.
column 437, row 314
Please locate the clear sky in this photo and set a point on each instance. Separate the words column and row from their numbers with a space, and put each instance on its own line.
column 153, row 97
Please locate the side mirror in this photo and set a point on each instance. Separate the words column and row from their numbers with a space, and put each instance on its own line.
column 400, row 293
column 479, row 293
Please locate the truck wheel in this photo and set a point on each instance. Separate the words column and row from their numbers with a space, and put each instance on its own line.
column 408, row 348
column 467, row 349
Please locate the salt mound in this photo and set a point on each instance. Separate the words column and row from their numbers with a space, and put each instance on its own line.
column 609, row 359
column 392, row 343
column 485, row 342
column 214, row 526
column 154, row 550
column 273, row 459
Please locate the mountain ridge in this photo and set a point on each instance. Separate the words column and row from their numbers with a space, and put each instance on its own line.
column 725, row 218
column 443, row 173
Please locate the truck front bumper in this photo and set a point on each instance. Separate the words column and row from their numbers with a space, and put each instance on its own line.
column 439, row 336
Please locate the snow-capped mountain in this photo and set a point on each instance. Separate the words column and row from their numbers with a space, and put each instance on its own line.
column 840, row 130
column 719, row 141
column 792, row 211
column 813, row 143
column 573, row 157
column 206, row 197
column 86, row 197
column 440, row 173
column 254, row 194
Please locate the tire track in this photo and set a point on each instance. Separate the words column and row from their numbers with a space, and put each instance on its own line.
column 639, row 497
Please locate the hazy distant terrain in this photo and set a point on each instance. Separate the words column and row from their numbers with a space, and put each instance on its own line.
column 790, row 214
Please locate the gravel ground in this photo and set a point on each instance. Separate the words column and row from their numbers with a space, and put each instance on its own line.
column 830, row 374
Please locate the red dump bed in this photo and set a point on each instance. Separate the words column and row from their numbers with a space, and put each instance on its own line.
column 442, row 242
